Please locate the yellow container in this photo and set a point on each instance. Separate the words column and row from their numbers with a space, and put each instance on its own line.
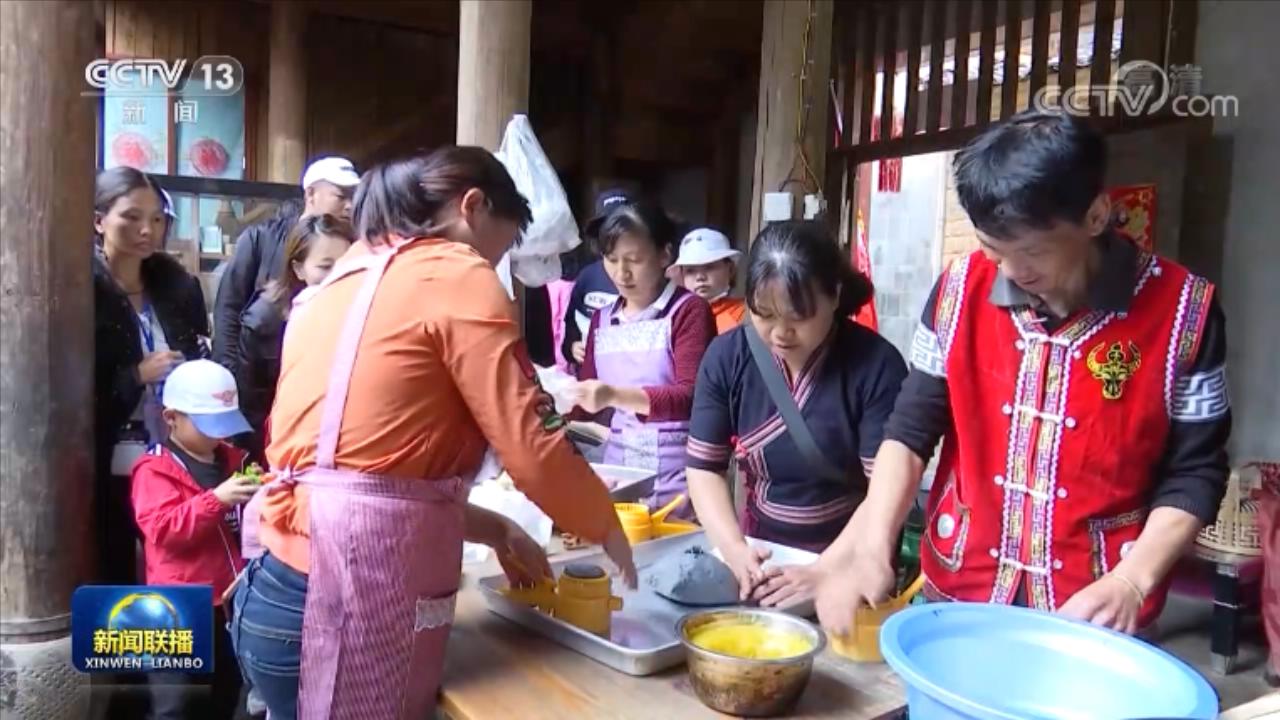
column 635, row 521
column 863, row 645
column 584, row 598
column 673, row 527
column 542, row 595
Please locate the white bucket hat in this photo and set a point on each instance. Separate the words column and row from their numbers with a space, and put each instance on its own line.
column 704, row 246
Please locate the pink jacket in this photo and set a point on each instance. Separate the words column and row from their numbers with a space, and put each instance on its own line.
column 559, row 292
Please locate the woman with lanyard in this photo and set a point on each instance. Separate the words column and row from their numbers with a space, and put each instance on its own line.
column 149, row 315
column 805, row 391
column 397, row 371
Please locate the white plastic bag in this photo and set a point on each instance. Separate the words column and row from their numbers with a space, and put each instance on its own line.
column 559, row 385
column 536, row 261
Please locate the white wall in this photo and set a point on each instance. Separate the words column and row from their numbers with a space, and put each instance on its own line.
column 905, row 245
column 1236, row 50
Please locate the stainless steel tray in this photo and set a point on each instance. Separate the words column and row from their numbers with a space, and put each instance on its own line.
column 642, row 640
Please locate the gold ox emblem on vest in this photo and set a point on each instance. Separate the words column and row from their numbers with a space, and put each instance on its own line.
column 1118, row 367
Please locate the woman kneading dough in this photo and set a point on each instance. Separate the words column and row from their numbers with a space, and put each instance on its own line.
column 397, row 372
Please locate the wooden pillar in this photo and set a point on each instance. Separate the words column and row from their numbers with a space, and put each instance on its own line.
column 287, row 93
column 46, row 350
column 597, row 155
column 493, row 68
column 795, row 51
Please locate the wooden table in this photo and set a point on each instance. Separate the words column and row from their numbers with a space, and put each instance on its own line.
column 496, row 669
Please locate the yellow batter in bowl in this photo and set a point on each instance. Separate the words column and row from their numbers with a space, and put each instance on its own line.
column 751, row 641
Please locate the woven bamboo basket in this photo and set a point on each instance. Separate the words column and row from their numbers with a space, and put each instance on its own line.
column 1236, row 529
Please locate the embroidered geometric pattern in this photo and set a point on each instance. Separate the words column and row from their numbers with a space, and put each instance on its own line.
column 642, row 336
column 926, row 353
column 947, row 315
column 1098, row 538
column 1201, row 397
column 1188, row 326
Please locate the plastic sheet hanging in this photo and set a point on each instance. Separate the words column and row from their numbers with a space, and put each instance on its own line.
column 536, row 260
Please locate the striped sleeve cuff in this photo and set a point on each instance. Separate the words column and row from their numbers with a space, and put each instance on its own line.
column 707, row 456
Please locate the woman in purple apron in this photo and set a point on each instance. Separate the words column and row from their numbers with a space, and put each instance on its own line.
column 840, row 380
column 643, row 351
column 346, row 614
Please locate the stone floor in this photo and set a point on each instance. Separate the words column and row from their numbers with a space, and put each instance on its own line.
column 1184, row 632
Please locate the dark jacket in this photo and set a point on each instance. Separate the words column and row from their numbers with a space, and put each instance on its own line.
column 592, row 290
column 261, row 338
column 179, row 306
column 258, row 258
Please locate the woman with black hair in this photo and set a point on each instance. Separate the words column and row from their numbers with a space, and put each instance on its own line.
column 643, row 350
column 398, row 371
column 149, row 315
column 800, row 394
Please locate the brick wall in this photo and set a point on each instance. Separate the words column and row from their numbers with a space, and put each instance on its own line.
column 957, row 232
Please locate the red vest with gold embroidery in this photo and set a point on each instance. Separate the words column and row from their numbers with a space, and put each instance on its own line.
column 1047, row 472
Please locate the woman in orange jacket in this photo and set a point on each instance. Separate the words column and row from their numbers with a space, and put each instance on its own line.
column 397, row 372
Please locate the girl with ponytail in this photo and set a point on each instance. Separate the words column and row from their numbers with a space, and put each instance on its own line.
column 799, row 394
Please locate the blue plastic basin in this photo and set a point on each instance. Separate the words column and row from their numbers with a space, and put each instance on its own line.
column 968, row 661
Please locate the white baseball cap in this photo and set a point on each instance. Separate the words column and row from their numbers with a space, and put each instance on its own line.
column 704, row 246
column 337, row 170
column 205, row 391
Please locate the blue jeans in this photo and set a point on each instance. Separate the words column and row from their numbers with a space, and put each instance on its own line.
column 266, row 632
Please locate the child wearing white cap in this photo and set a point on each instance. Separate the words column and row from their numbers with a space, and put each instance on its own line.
column 186, row 495
column 706, row 267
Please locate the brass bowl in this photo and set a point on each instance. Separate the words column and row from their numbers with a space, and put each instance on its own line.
column 743, row 686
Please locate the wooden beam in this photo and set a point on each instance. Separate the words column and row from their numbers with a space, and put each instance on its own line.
column 1144, row 31
column 1068, row 45
column 986, row 62
column 867, row 71
column 960, row 79
column 47, row 463
column 937, row 50
column 1181, row 48
column 287, row 93
column 1104, row 13
column 915, row 32
column 793, row 94
column 847, row 53
column 493, row 68
column 1012, row 49
column 954, row 138
column 1040, row 45
column 889, row 70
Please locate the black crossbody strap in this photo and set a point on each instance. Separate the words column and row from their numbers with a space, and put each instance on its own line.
column 788, row 409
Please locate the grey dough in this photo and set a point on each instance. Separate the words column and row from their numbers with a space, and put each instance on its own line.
column 694, row 577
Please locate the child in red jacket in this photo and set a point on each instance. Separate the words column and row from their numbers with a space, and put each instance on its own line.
column 186, row 498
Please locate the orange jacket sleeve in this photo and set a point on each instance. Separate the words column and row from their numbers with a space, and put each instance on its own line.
column 480, row 343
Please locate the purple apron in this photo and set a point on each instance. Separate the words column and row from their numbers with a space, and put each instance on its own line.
column 637, row 352
column 386, row 557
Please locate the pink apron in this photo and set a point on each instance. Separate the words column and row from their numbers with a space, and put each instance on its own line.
column 386, row 554
column 637, row 352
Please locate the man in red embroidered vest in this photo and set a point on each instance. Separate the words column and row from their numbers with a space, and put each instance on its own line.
column 1078, row 385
